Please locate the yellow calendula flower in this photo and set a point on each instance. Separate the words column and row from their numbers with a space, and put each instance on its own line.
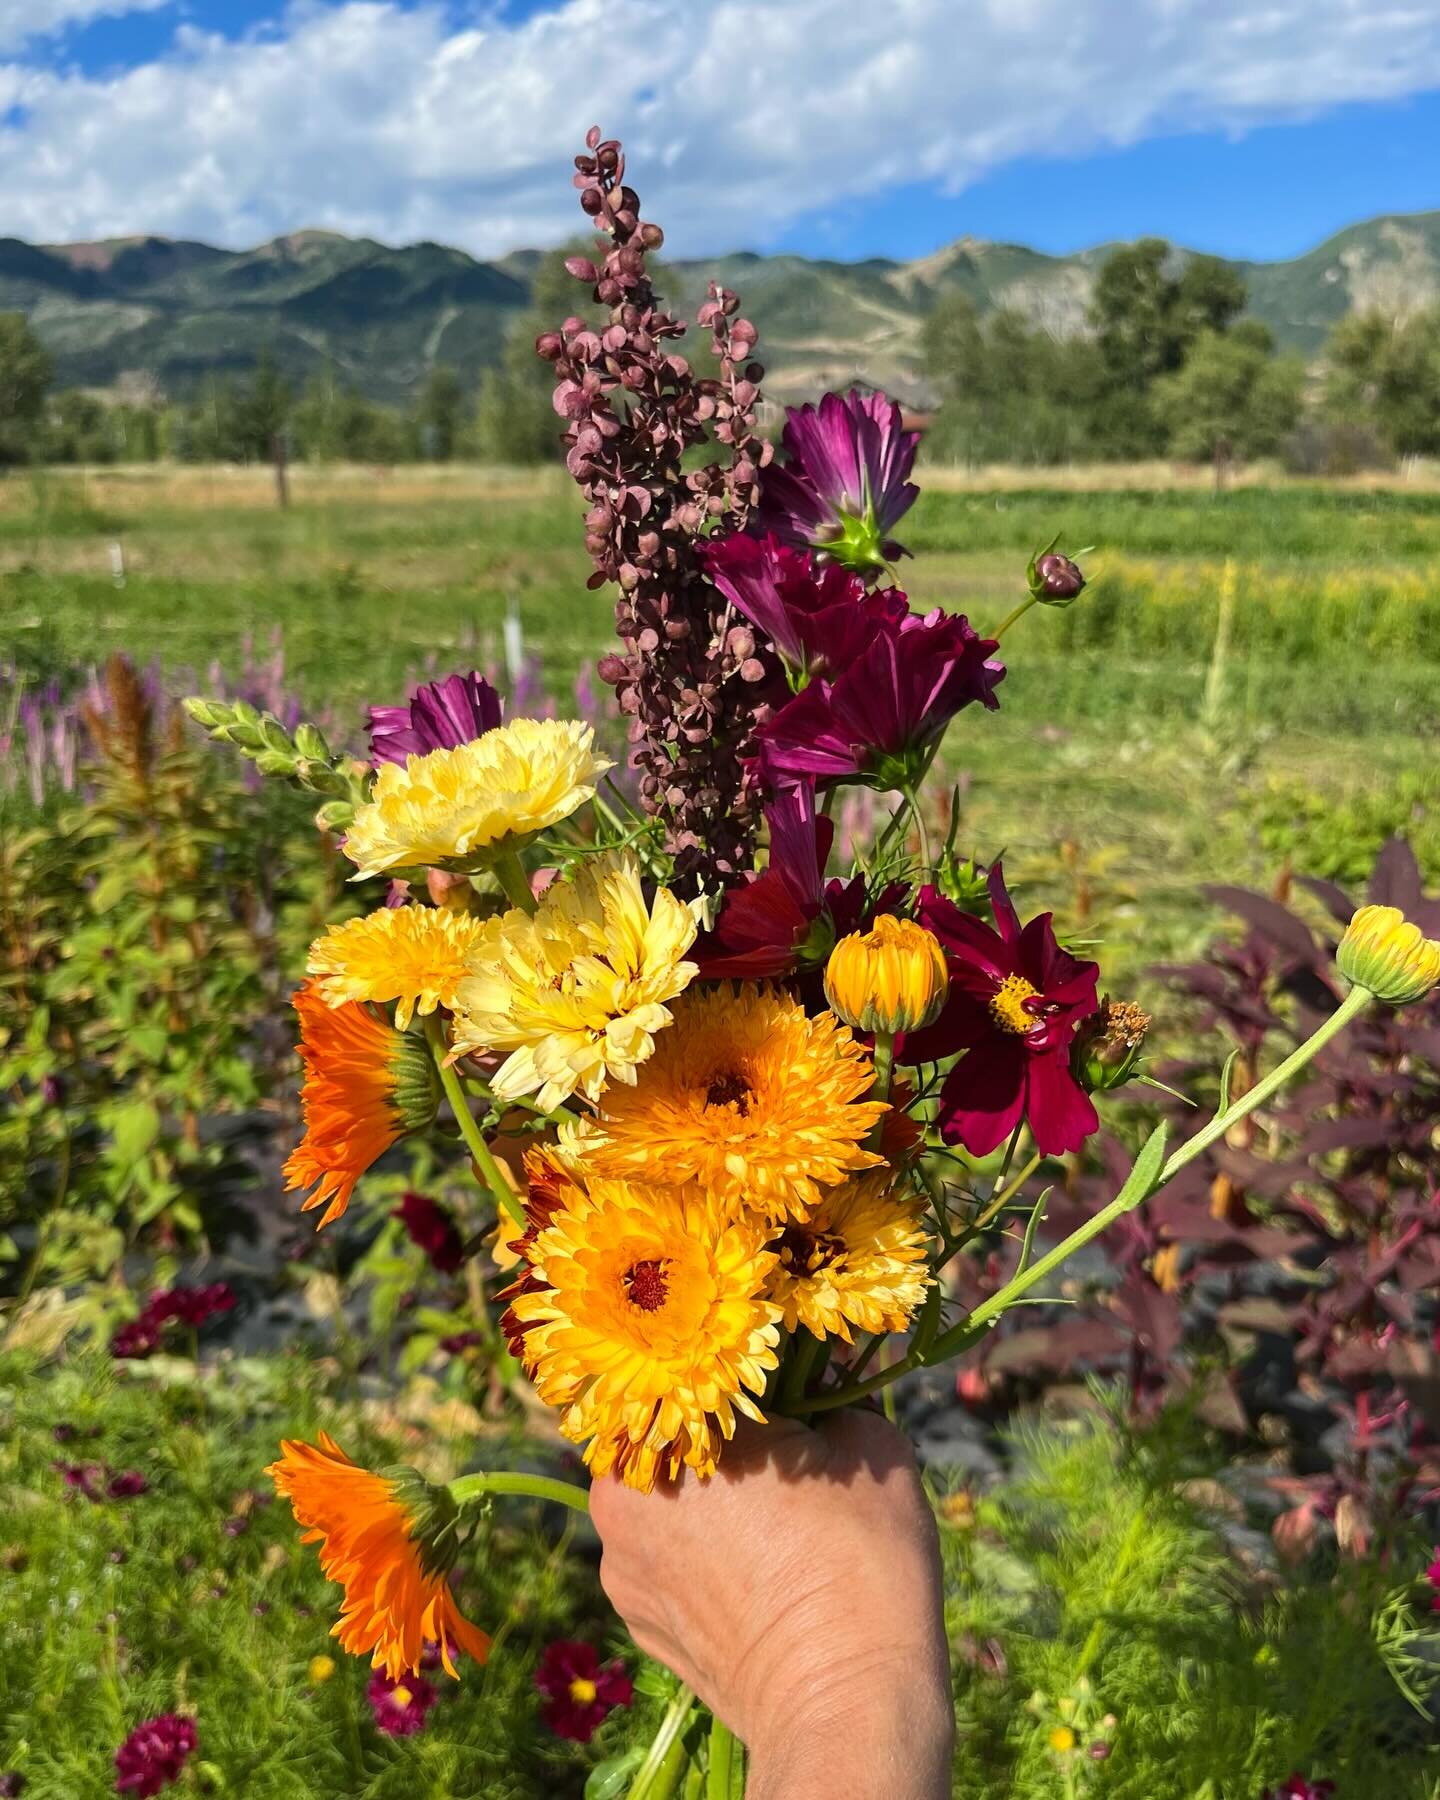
column 643, row 1316
column 413, row 955
column 372, row 1534
column 747, row 1098
column 320, row 1670
column 891, row 978
column 860, row 1260
column 473, row 803
column 576, row 992
column 1389, row 957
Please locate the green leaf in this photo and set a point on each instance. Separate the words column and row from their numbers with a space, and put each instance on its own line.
column 1036, row 1214
column 133, row 1129
column 1225, row 1078
column 1142, row 1178
column 610, row 1780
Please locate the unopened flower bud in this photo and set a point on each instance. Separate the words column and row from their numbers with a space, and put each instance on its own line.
column 891, row 978
column 1388, row 956
column 1108, row 1044
column 966, row 883
column 335, row 815
column 310, row 742
column 1060, row 580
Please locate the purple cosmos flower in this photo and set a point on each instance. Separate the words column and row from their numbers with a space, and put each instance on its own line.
column 1014, row 1002
column 818, row 618
column 580, row 1692
column 127, row 1485
column 440, row 716
column 846, row 484
column 885, row 712
column 399, row 1707
column 154, row 1754
column 428, row 1225
column 788, row 916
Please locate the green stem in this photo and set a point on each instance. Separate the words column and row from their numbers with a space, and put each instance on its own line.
column 661, row 1769
column 882, row 1054
column 912, row 797
column 533, row 1487
column 1010, row 618
column 1354, row 1002
column 727, row 1761
column 961, row 1335
column 510, row 873
column 993, row 1208
column 805, row 1352
column 499, row 1187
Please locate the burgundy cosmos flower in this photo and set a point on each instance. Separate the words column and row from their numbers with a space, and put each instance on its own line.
column 431, row 1227
column 439, row 716
column 820, row 619
column 580, row 1693
column 878, row 718
column 190, row 1307
column 154, row 1754
column 1014, row 1002
column 789, row 916
column 399, row 1707
column 846, row 483
column 1296, row 1787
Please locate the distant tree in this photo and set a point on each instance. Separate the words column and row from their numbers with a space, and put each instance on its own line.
column 1385, row 373
column 1231, row 393
column 440, row 415
column 333, row 422
column 79, row 429
column 514, row 419
column 25, row 376
column 265, row 405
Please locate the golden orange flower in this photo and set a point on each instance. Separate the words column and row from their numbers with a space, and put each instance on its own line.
column 413, row 955
column 373, row 1543
column 860, row 1259
column 366, row 1085
column 746, row 1097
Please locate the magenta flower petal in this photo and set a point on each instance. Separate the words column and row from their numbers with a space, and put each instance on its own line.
column 819, row 619
column 1061, row 1114
column 154, row 1754
column 983, row 1098
column 441, row 715
column 399, row 1708
column 430, row 1226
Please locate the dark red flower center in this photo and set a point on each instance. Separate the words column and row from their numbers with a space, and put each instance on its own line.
column 646, row 1286
column 729, row 1089
column 805, row 1252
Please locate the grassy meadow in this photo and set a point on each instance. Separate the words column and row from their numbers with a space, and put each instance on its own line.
column 1178, row 724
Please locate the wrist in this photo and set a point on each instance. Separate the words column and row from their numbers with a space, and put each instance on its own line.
column 891, row 1735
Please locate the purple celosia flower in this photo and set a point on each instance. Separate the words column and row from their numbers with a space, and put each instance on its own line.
column 399, row 1707
column 884, row 713
column 439, row 716
column 154, row 1754
column 580, row 1692
column 428, row 1225
column 820, row 619
column 847, row 482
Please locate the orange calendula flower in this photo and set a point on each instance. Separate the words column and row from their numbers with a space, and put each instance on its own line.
column 891, row 978
column 366, row 1085
column 384, row 1539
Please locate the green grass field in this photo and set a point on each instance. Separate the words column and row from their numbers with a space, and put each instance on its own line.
column 1141, row 747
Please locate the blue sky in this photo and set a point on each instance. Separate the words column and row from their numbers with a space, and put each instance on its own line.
column 1251, row 129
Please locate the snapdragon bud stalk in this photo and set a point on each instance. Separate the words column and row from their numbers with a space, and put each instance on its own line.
column 303, row 759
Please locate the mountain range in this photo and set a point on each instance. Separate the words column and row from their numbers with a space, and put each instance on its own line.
column 159, row 316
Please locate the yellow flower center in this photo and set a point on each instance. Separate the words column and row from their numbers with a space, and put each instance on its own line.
column 1007, row 1005
column 582, row 1692
column 645, row 1284
column 401, row 1696
column 730, row 1089
column 805, row 1252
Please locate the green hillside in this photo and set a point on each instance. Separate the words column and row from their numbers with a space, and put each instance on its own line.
column 151, row 314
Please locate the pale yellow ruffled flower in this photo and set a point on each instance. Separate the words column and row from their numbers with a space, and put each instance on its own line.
column 575, row 993
column 860, row 1259
column 473, row 803
column 413, row 955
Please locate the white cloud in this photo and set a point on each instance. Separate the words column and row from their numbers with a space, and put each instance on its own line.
column 22, row 20
column 402, row 123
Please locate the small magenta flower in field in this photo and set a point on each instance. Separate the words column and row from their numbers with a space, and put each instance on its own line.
column 1432, row 1575
column 888, row 979
column 1296, row 1787
column 387, row 1540
column 441, row 715
column 366, row 1085
column 12, row 1785
column 846, row 482
column 127, row 1485
column 154, row 1754
column 399, row 1706
column 580, row 1692
column 1015, row 1001
column 1388, row 956
column 429, row 1225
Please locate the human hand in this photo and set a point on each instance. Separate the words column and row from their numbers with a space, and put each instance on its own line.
column 798, row 1593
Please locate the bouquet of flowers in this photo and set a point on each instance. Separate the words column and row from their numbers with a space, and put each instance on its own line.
column 769, row 1102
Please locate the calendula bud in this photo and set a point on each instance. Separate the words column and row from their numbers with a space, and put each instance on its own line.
column 1108, row 1044
column 434, row 1519
column 1388, row 956
column 891, row 978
